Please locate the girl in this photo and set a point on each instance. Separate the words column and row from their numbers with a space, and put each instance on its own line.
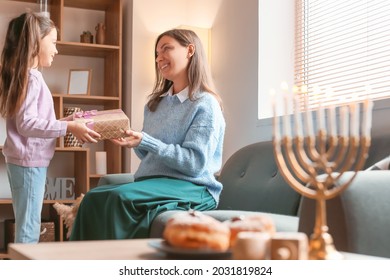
column 180, row 148
column 27, row 105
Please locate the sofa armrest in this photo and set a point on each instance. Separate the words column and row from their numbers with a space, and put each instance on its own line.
column 114, row 179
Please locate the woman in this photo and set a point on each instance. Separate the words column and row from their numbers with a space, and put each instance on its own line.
column 180, row 148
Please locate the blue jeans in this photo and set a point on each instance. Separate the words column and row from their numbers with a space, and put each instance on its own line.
column 27, row 189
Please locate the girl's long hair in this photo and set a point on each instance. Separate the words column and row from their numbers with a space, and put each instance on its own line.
column 21, row 47
column 199, row 74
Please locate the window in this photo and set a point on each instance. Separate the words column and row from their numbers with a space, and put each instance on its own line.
column 342, row 46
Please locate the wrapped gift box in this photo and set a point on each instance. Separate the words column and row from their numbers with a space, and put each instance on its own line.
column 70, row 140
column 108, row 123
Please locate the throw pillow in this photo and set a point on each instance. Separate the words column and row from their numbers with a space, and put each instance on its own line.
column 383, row 164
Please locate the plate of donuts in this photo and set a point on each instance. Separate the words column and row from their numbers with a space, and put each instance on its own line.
column 192, row 234
column 201, row 253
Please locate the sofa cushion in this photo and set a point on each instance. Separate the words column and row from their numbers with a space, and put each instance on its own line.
column 383, row 164
column 379, row 148
column 251, row 182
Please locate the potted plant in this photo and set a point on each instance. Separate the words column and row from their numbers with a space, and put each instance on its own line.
column 86, row 37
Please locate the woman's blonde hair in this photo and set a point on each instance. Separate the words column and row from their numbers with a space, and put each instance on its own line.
column 199, row 74
column 21, row 47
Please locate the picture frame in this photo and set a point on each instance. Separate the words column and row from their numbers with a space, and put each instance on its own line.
column 79, row 81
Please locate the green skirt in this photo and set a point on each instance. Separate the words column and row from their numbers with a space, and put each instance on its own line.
column 127, row 211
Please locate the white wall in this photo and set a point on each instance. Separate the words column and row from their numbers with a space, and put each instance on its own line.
column 276, row 50
column 234, row 58
column 235, row 68
column 141, row 27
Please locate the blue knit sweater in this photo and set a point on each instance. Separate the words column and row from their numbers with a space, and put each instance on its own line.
column 183, row 139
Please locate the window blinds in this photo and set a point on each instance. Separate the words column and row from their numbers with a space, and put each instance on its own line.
column 342, row 50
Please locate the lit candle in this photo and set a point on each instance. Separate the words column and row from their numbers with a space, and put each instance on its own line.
column 321, row 117
column 332, row 120
column 368, row 104
column 276, row 118
column 308, row 118
column 357, row 120
column 297, row 115
column 331, row 113
column 354, row 107
column 284, row 87
column 286, row 116
column 344, row 121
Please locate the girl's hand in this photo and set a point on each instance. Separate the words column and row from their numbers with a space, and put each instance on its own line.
column 132, row 139
column 82, row 132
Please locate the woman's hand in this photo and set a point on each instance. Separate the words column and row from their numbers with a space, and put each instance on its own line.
column 68, row 118
column 132, row 139
column 83, row 133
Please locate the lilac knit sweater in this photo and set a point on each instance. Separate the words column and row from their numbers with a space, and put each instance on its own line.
column 32, row 133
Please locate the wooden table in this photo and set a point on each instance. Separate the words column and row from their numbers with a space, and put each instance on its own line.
column 133, row 249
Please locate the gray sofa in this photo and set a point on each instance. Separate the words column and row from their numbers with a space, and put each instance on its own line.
column 358, row 219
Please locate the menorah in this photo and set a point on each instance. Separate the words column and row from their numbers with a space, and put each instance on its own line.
column 312, row 164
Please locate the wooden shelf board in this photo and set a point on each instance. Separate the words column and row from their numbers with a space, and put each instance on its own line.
column 5, row 201
column 88, row 99
column 88, row 4
column 28, row 1
column 85, row 49
column 65, row 201
column 101, row 5
column 72, row 149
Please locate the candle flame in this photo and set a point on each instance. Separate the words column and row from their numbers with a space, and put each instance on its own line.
column 295, row 89
column 304, row 88
column 284, row 86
